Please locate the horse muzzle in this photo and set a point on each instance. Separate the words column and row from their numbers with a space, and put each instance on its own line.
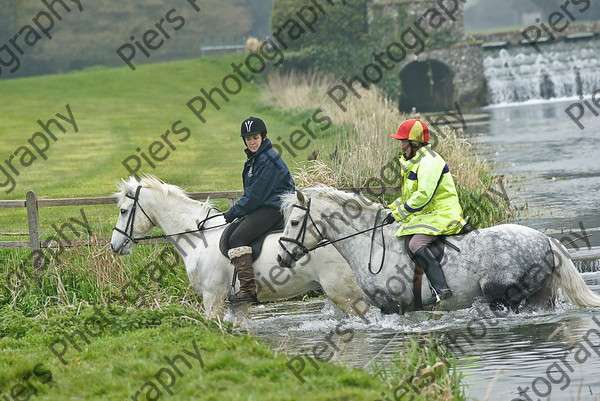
column 123, row 249
column 286, row 260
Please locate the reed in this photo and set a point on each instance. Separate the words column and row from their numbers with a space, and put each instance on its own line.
column 356, row 154
column 95, row 275
column 425, row 369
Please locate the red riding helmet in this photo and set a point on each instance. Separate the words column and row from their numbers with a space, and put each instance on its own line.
column 414, row 130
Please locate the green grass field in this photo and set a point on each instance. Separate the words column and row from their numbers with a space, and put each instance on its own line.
column 118, row 111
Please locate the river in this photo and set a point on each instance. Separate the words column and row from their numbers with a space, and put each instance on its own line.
column 553, row 171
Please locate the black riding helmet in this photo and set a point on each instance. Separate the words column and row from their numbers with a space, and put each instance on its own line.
column 253, row 126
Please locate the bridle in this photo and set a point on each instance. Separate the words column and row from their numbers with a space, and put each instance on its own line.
column 299, row 240
column 128, row 232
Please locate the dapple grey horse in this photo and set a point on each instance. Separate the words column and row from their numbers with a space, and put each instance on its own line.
column 508, row 265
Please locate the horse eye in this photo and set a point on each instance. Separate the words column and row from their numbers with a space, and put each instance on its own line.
column 295, row 223
column 123, row 211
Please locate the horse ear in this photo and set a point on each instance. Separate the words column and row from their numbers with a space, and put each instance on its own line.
column 129, row 185
column 301, row 198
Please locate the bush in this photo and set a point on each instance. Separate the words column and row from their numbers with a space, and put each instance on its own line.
column 340, row 25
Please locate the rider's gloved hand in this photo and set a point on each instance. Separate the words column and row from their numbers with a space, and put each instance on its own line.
column 389, row 219
column 228, row 216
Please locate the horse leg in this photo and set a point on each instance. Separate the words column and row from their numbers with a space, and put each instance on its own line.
column 544, row 297
column 503, row 295
column 391, row 308
column 534, row 284
column 214, row 304
column 343, row 291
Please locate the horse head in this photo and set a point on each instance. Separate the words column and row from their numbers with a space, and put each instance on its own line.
column 319, row 214
column 306, row 222
column 135, row 218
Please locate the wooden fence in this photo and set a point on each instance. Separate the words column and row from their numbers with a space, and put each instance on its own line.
column 32, row 203
column 221, row 49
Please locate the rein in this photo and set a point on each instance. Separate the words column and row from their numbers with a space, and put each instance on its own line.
column 299, row 240
column 131, row 219
column 372, row 241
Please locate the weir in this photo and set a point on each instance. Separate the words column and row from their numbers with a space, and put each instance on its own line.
column 568, row 68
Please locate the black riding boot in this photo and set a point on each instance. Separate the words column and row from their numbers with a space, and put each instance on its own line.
column 435, row 275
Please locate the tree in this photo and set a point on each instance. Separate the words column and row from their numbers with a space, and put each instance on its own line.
column 341, row 25
column 11, row 15
column 260, row 14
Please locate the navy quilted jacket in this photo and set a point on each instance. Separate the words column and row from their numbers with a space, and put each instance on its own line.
column 266, row 177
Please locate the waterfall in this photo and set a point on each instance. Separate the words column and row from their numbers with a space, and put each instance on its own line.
column 563, row 69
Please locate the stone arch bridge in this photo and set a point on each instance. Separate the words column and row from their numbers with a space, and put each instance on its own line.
column 449, row 66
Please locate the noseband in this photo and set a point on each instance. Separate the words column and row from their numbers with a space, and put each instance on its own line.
column 128, row 232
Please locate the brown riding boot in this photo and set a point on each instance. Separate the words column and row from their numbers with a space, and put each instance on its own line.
column 241, row 258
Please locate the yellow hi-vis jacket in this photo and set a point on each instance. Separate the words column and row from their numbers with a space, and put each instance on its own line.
column 429, row 202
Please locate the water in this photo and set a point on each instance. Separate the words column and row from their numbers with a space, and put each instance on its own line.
column 497, row 355
column 554, row 176
column 563, row 69
column 552, row 166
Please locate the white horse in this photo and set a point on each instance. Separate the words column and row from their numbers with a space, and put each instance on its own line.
column 506, row 264
column 149, row 202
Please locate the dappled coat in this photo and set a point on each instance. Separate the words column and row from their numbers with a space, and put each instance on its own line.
column 429, row 202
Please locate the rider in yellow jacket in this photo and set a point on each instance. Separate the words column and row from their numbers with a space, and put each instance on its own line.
column 428, row 206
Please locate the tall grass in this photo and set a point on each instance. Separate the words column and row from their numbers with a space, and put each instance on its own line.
column 95, row 275
column 361, row 147
column 423, row 368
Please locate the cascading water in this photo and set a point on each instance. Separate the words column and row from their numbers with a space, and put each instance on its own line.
column 563, row 69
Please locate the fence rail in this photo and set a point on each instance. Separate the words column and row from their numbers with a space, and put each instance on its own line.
column 221, row 49
column 32, row 204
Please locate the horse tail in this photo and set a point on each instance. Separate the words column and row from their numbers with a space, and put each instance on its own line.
column 566, row 275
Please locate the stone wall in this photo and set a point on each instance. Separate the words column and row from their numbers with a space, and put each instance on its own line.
column 514, row 37
column 448, row 70
column 389, row 18
column 465, row 75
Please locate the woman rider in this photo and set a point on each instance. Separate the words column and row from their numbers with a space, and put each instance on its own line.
column 265, row 177
column 428, row 206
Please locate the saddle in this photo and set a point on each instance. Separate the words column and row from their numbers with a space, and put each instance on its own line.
column 256, row 245
column 437, row 248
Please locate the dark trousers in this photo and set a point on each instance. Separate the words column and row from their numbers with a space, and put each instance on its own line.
column 254, row 225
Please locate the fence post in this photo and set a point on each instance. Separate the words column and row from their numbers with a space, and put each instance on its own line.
column 34, row 229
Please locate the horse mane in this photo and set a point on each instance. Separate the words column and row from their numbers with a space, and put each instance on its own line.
column 152, row 182
column 348, row 199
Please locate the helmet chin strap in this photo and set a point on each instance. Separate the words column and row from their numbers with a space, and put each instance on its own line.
column 413, row 150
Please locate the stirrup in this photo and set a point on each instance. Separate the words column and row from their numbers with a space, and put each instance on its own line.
column 438, row 296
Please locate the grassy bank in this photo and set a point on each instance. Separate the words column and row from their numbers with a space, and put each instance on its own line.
column 128, row 338
column 129, row 356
